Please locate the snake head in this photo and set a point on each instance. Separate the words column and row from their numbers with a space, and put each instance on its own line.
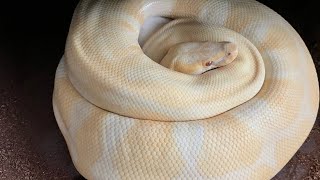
column 222, row 57
column 199, row 57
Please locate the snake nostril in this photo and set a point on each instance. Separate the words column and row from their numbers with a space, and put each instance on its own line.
column 209, row 63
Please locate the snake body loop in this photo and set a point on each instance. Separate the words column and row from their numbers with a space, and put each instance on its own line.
column 125, row 116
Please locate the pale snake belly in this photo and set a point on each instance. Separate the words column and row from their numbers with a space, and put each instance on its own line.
column 125, row 116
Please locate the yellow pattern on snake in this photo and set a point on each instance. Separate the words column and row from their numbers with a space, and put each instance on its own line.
column 125, row 116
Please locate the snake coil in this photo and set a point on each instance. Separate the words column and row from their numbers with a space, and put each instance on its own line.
column 124, row 116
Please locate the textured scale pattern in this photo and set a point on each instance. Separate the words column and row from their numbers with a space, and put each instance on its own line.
column 124, row 116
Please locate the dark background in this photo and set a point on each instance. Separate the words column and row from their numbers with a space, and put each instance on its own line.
column 32, row 38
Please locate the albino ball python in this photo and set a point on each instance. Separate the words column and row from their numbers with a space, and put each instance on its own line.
column 125, row 116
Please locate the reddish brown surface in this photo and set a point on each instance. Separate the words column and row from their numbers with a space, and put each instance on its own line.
column 31, row 44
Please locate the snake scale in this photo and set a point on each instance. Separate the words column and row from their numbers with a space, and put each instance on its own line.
column 125, row 116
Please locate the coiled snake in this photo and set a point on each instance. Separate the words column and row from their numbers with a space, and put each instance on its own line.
column 125, row 116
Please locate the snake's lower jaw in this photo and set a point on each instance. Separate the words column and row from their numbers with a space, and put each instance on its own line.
column 214, row 67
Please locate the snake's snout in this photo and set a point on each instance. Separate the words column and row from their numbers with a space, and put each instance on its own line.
column 228, row 52
column 231, row 50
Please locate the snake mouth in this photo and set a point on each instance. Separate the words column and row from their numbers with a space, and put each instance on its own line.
column 211, row 69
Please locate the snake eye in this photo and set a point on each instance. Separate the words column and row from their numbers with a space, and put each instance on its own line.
column 209, row 63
